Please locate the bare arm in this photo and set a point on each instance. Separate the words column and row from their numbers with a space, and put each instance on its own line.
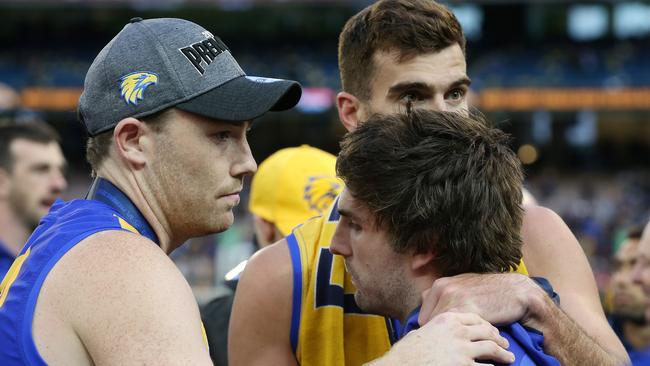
column 261, row 315
column 130, row 303
column 550, row 251
column 579, row 334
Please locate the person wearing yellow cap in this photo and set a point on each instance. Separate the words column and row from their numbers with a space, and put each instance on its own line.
column 291, row 186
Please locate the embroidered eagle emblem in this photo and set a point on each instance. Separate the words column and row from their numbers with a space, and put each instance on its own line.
column 133, row 85
column 320, row 192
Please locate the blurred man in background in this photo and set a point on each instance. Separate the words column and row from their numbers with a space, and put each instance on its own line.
column 289, row 187
column 392, row 54
column 628, row 302
column 629, row 306
column 32, row 170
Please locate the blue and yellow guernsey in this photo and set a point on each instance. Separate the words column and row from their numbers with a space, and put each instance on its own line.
column 327, row 326
column 67, row 224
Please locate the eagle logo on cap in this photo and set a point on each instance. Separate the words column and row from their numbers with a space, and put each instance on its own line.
column 133, row 85
column 321, row 191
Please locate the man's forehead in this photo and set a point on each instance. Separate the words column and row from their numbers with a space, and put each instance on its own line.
column 438, row 70
column 22, row 148
column 629, row 250
column 644, row 243
column 348, row 205
column 346, row 200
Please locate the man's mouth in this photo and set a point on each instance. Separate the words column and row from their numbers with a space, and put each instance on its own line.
column 232, row 197
column 48, row 202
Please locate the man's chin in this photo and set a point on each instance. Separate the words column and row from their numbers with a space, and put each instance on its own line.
column 224, row 222
column 637, row 317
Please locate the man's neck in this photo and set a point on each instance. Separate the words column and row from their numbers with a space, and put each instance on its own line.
column 413, row 301
column 638, row 335
column 152, row 213
column 13, row 232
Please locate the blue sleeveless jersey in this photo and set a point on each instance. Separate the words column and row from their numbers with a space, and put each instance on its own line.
column 525, row 343
column 60, row 230
column 6, row 259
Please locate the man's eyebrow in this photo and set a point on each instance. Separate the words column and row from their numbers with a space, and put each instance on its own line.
column 400, row 88
column 464, row 81
column 348, row 213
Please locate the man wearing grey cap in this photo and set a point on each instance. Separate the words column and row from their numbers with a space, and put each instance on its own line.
column 167, row 108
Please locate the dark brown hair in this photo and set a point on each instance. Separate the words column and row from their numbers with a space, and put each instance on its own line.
column 97, row 146
column 439, row 182
column 411, row 27
column 634, row 233
column 32, row 131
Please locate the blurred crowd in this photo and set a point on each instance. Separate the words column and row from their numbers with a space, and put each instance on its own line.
column 547, row 65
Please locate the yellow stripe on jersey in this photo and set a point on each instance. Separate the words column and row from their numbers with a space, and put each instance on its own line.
column 205, row 336
column 126, row 226
column 521, row 268
column 11, row 275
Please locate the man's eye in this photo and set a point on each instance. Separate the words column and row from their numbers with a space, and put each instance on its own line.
column 354, row 226
column 456, row 94
column 411, row 97
column 222, row 135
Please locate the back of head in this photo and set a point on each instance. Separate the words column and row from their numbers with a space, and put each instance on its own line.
column 293, row 185
column 32, row 131
column 410, row 27
column 439, row 182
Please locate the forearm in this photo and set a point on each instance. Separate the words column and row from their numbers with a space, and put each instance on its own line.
column 408, row 351
column 566, row 340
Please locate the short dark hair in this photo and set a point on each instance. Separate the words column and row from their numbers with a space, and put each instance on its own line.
column 411, row 27
column 440, row 182
column 634, row 233
column 97, row 146
column 32, row 131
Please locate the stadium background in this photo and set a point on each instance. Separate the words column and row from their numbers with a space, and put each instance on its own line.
column 570, row 80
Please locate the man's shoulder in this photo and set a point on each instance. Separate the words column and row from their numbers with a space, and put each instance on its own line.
column 106, row 262
column 273, row 262
column 118, row 249
column 538, row 219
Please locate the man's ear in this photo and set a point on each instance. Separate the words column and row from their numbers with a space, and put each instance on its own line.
column 349, row 108
column 421, row 261
column 266, row 231
column 5, row 184
column 129, row 143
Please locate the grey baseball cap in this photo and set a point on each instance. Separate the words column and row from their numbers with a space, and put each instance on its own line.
column 155, row 64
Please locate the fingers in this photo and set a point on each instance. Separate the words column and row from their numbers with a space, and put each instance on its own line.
column 430, row 301
column 478, row 333
column 478, row 329
column 490, row 351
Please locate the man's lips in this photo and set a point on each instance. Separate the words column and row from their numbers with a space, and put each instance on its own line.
column 233, row 197
column 47, row 202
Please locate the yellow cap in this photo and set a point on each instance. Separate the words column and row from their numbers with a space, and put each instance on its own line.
column 293, row 185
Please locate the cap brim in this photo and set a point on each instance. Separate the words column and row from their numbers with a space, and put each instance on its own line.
column 245, row 98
